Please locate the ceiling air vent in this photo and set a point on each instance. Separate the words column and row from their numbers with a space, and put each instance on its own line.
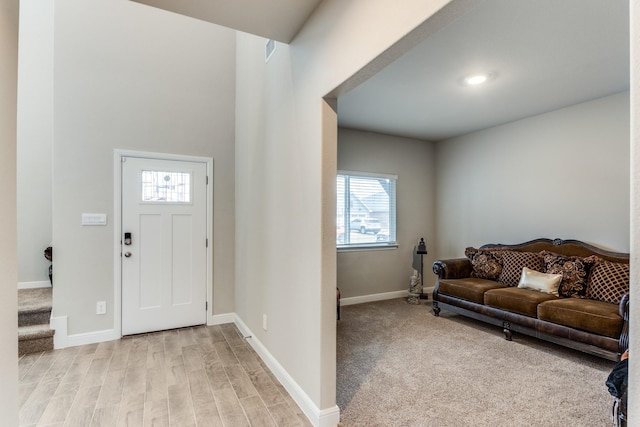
column 269, row 49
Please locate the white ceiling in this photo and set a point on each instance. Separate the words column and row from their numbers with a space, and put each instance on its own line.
column 273, row 19
column 543, row 55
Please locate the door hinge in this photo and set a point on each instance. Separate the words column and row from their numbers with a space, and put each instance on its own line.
column 206, row 305
column 207, row 180
column 206, row 242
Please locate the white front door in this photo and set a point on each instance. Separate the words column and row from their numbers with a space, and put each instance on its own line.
column 164, row 238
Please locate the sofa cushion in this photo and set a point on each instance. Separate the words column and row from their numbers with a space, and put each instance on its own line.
column 516, row 300
column 597, row 317
column 574, row 272
column 608, row 281
column 487, row 264
column 541, row 282
column 470, row 289
column 512, row 264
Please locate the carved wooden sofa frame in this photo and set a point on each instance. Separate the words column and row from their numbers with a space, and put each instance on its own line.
column 606, row 347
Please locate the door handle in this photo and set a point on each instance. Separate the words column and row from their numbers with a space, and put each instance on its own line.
column 127, row 254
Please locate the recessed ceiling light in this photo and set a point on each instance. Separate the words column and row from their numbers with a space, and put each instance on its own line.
column 476, row 79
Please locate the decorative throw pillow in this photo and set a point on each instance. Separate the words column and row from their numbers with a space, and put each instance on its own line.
column 541, row 282
column 574, row 272
column 512, row 264
column 486, row 263
column 608, row 281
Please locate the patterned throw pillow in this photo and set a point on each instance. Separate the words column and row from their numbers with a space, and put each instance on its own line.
column 574, row 272
column 512, row 264
column 608, row 281
column 487, row 264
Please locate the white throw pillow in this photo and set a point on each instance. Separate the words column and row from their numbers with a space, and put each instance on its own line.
column 541, row 282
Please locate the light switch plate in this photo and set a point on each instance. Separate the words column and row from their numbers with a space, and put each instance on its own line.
column 94, row 219
column 101, row 307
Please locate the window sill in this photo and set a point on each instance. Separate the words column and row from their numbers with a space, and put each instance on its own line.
column 366, row 248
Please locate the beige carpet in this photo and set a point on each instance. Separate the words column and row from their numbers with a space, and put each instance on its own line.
column 34, row 299
column 398, row 365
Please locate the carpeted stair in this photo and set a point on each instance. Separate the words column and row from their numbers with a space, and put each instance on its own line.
column 34, row 314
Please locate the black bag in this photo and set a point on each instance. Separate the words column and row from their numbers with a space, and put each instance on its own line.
column 617, row 380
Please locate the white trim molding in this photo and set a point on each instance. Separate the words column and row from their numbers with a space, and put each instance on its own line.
column 220, row 319
column 33, row 285
column 61, row 338
column 373, row 297
column 383, row 296
column 92, row 337
column 59, row 324
column 329, row 417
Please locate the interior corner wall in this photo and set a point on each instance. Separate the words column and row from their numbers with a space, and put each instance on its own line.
column 562, row 174
column 132, row 77
column 9, row 10
column 35, row 140
column 283, row 233
column 362, row 273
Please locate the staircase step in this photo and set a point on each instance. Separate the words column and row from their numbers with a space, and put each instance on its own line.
column 34, row 306
column 34, row 339
column 35, row 317
column 34, row 299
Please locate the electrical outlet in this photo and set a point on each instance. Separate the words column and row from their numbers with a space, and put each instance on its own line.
column 101, row 307
column 264, row 322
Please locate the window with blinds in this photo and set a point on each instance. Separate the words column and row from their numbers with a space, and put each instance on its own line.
column 366, row 210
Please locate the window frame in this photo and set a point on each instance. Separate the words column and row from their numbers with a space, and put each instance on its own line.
column 392, row 243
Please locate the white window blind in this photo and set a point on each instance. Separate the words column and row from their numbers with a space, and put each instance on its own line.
column 366, row 210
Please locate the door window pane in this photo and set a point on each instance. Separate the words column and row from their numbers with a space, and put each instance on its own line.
column 168, row 187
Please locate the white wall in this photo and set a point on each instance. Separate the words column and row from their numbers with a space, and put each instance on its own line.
column 8, row 236
column 363, row 273
column 285, row 172
column 634, row 362
column 129, row 76
column 35, row 140
column 313, row 381
column 563, row 174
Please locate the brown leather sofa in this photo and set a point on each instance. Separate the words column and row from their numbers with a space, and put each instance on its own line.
column 590, row 313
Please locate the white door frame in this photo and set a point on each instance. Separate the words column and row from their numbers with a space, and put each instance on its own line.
column 118, row 154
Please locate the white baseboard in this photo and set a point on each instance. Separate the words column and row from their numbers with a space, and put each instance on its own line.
column 59, row 324
column 220, row 319
column 92, row 337
column 329, row 417
column 373, row 297
column 381, row 297
column 61, row 339
column 319, row 418
column 33, row 285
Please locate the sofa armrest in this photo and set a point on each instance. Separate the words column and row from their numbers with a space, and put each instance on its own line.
column 456, row 268
column 623, row 309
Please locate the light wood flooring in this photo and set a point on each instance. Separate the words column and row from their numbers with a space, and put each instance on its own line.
column 200, row 376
